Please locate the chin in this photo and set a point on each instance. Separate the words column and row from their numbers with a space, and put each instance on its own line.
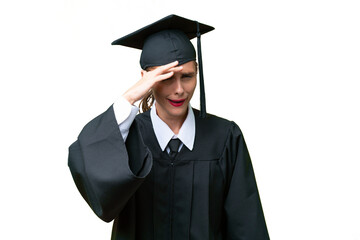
column 178, row 112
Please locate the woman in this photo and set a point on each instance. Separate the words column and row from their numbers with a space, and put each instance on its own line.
column 170, row 172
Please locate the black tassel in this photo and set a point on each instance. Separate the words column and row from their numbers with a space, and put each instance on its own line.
column 201, row 75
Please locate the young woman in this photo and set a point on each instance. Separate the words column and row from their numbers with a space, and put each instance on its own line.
column 169, row 172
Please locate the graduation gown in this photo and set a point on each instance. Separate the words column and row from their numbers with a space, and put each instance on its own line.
column 207, row 193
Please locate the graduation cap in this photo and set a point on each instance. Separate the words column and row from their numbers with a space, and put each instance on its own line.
column 166, row 41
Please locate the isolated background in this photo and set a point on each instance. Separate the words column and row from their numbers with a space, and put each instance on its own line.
column 286, row 71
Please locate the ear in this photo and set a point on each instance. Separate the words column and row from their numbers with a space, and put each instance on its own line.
column 142, row 73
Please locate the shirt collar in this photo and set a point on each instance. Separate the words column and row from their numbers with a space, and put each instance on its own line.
column 164, row 134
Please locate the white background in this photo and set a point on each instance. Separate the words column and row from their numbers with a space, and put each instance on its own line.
column 286, row 71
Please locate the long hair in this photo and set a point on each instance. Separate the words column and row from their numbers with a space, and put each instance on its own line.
column 148, row 100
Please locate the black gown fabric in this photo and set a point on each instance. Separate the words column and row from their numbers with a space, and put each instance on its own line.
column 207, row 193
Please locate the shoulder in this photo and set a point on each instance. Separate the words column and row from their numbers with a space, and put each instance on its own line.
column 100, row 127
column 143, row 123
column 143, row 118
column 216, row 133
column 217, row 125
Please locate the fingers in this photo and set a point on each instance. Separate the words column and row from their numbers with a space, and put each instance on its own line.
column 170, row 65
column 164, row 76
column 169, row 74
column 176, row 69
column 168, row 68
column 165, row 71
column 149, row 78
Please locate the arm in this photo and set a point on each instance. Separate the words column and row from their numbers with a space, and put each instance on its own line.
column 125, row 104
column 243, row 211
column 106, row 171
column 99, row 164
column 125, row 114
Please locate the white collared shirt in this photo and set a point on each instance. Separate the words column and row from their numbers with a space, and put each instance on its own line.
column 125, row 114
column 164, row 134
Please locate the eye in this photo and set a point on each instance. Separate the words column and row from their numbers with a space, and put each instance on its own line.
column 187, row 76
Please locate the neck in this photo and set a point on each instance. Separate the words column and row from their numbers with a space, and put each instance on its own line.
column 174, row 122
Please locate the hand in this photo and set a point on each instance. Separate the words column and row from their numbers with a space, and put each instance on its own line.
column 148, row 79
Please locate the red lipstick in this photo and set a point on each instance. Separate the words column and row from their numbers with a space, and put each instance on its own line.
column 177, row 103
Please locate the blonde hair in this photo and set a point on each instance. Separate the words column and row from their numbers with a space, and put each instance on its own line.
column 148, row 100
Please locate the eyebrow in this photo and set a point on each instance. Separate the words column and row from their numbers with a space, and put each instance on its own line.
column 188, row 74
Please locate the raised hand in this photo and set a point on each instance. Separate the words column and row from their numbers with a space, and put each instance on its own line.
column 148, row 79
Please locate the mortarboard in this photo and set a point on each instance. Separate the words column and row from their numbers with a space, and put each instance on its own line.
column 168, row 40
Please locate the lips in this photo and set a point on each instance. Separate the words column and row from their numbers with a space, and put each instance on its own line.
column 177, row 102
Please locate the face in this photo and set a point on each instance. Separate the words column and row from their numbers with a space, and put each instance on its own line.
column 174, row 94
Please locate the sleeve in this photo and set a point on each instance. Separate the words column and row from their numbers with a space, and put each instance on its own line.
column 99, row 162
column 243, row 211
column 122, row 108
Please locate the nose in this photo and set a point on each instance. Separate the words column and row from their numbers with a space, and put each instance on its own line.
column 179, row 89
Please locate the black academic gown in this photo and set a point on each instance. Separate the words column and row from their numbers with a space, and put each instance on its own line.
column 207, row 193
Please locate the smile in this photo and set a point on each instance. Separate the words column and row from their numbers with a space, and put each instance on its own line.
column 177, row 103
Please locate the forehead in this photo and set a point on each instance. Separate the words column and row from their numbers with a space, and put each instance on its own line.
column 189, row 66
